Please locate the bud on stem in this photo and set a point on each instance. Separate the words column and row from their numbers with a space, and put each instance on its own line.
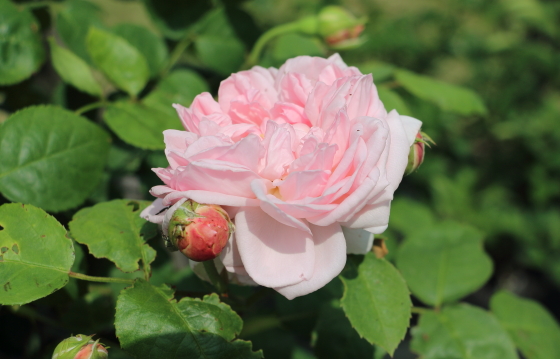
column 417, row 152
column 199, row 231
column 80, row 347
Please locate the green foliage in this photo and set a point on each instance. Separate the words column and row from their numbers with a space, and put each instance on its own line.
column 74, row 70
column 461, row 331
column 335, row 337
column 174, row 17
column 188, row 328
column 147, row 43
column 21, row 50
column 123, row 63
column 51, row 157
column 444, row 263
column 532, row 328
column 35, row 254
column 139, row 125
column 375, row 287
column 114, row 230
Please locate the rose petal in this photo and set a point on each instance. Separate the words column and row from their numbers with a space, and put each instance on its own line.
column 153, row 212
column 358, row 241
column 287, row 257
column 330, row 257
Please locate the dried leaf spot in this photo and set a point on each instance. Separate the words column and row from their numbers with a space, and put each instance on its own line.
column 3, row 250
column 15, row 248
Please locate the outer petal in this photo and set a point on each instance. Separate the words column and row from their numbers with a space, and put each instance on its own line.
column 374, row 217
column 330, row 257
column 231, row 258
column 150, row 213
column 358, row 241
column 273, row 254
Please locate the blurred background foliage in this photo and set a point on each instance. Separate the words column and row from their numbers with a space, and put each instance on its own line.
column 496, row 166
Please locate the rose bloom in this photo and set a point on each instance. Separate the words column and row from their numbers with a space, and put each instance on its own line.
column 305, row 160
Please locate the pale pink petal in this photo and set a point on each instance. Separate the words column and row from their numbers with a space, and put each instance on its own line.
column 282, row 259
column 411, row 128
column 231, row 258
column 279, row 154
column 210, row 197
column 401, row 141
column 303, row 184
column 154, row 212
column 330, row 257
column 358, row 241
column 374, row 217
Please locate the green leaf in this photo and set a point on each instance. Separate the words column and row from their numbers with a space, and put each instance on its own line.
column 21, row 49
column 221, row 54
column 35, row 254
column 74, row 70
column 180, row 86
column 115, row 230
column 448, row 97
column 73, row 23
column 393, row 101
column 335, row 337
column 174, row 17
column 292, row 45
column 409, row 216
column 461, row 332
column 149, row 44
column 532, row 328
column 123, row 64
column 139, row 125
column 444, row 263
column 51, row 158
column 217, row 45
column 376, row 300
column 381, row 71
column 151, row 324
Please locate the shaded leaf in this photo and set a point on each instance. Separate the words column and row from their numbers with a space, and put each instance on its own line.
column 532, row 328
column 149, row 44
column 20, row 43
column 115, row 230
column 74, row 70
column 393, row 101
column 139, row 125
column 376, row 300
column 51, row 157
column 35, row 254
column 151, row 324
column 181, row 87
column 448, row 97
column 444, row 263
column 335, row 337
column 123, row 64
column 461, row 332
column 174, row 17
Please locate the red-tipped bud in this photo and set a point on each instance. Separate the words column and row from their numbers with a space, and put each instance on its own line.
column 417, row 152
column 199, row 231
column 339, row 28
column 80, row 347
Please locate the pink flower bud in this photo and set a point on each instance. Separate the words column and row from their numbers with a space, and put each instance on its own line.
column 199, row 231
column 417, row 151
column 80, row 347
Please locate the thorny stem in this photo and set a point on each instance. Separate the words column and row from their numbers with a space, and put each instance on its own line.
column 215, row 277
column 99, row 279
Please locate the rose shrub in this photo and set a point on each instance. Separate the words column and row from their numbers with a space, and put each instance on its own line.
column 293, row 154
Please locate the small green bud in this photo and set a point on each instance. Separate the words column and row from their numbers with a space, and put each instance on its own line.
column 339, row 28
column 80, row 347
column 417, row 152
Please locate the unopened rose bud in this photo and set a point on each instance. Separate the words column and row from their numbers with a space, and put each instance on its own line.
column 339, row 28
column 417, row 151
column 199, row 231
column 80, row 347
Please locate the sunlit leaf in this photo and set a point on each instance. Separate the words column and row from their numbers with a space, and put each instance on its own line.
column 35, row 254
column 51, row 157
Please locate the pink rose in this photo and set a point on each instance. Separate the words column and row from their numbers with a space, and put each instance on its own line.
column 293, row 154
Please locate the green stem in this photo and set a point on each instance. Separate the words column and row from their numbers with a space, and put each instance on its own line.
column 255, row 54
column 100, row 279
column 176, row 54
column 215, row 277
column 89, row 107
column 418, row 310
